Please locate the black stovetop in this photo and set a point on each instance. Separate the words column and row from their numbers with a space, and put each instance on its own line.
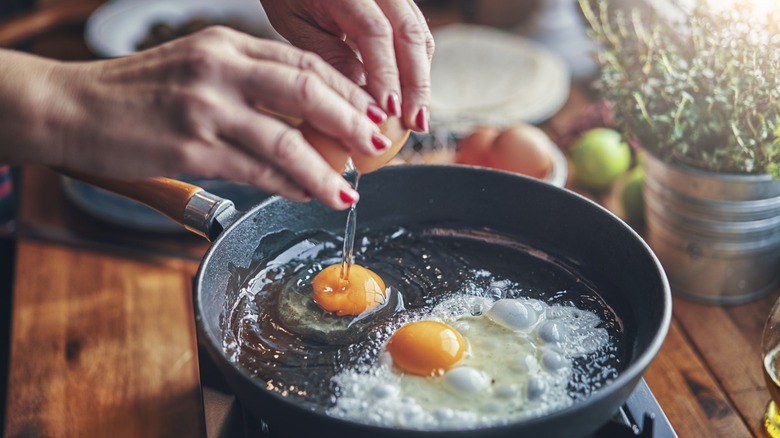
column 224, row 417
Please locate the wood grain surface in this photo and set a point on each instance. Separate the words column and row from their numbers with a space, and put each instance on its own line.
column 103, row 346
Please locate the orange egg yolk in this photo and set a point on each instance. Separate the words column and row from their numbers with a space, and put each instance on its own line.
column 426, row 348
column 360, row 292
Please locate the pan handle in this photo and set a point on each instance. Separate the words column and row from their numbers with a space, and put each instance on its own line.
column 197, row 210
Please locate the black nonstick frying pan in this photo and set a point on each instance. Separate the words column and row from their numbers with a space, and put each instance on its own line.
column 594, row 243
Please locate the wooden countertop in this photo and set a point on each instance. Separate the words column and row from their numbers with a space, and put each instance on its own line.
column 103, row 340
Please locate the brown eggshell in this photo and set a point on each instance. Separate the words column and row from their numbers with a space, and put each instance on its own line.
column 474, row 148
column 336, row 155
column 330, row 148
column 524, row 149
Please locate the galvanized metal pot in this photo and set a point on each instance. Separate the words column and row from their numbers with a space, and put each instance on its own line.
column 717, row 235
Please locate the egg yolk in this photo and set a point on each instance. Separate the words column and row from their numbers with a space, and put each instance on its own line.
column 361, row 291
column 426, row 348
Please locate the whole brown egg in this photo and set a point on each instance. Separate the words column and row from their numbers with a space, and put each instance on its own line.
column 474, row 148
column 524, row 149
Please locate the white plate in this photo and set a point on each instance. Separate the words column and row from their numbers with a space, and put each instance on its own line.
column 484, row 76
column 116, row 27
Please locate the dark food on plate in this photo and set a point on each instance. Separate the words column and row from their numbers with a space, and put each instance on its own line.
column 161, row 31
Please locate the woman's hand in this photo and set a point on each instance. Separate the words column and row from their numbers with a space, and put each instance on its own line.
column 189, row 107
column 394, row 43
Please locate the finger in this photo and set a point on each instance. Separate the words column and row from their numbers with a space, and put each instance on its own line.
column 287, row 151
column 303, row 94
column 366, row 24
column 219, row 157
column 331, row 47
column 341, row 54
column 239, row 166
column 414, row 48
column 429, row 43
column 337, row 53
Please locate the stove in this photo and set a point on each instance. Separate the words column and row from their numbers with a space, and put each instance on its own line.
column 224, row 417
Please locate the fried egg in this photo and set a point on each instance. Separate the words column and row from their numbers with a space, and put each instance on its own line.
column 472, row 361
column 426, row 348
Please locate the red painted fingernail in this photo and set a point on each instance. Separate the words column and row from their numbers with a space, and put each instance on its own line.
column 421, row 120
column 348, row 196
column 393, row 105
column 375, row 113
column 380, row 142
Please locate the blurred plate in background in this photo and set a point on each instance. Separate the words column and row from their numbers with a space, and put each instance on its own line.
column 117, row 27
column 482, row 76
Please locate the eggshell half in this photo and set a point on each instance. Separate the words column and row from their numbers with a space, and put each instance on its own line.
column 336, row 155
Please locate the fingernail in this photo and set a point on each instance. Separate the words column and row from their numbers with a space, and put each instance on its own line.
column 393, row 105
column 421, row 119
column 307, row 196
column 375, row 113
column 380, row 142
column 348, row 196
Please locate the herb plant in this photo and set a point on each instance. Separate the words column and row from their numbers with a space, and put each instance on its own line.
column 704, row 92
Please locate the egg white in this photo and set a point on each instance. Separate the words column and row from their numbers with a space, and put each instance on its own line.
column 518, row 364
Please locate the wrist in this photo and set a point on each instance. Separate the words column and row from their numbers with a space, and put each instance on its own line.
column 35, row 104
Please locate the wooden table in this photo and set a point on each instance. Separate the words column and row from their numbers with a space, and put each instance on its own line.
column 103, row 341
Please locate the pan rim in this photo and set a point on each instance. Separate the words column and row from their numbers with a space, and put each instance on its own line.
column 627, row 378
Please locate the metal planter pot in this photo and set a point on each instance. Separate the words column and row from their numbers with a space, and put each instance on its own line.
column 717, row 235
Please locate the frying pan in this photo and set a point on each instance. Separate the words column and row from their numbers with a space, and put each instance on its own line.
column 575, row 231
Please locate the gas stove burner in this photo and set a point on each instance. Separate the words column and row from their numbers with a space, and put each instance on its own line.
column 640, row 416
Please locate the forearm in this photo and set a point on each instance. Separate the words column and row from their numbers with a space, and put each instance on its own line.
column 189, row 107
column 33, row 107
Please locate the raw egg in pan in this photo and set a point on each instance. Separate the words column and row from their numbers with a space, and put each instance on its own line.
column 361, row 291
column 321, row 305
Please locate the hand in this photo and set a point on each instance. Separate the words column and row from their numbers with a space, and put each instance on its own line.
column 392, row 37
column 189, row 108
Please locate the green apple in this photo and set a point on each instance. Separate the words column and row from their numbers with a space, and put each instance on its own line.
column 632, row 197
column 599, row 156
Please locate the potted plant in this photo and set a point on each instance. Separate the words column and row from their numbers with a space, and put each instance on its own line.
column 701, row 98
